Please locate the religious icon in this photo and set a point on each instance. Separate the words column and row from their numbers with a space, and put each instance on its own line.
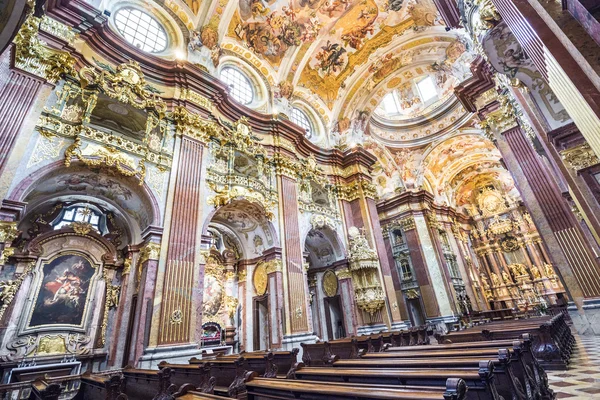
column 64, row 290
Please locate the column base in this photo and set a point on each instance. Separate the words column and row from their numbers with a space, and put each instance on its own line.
column 291, row 342
column 400, row 325
column 442, row 324
column 586, row 320
column 370, row 329
column 173, row 354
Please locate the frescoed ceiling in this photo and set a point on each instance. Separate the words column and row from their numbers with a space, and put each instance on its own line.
column 380, row 73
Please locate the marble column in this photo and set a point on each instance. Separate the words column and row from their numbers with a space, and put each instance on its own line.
column 145, row 278
column 296, row 300
column 19, row 91
column 182, row 280
column 346, row 290
column 580, row 270
column 276, row 302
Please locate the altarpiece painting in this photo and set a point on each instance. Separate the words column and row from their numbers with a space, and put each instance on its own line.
column 63, row 293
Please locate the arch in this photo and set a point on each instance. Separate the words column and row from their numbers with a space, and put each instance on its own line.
column 321, row 239
column 136, row 203
column 246, row 220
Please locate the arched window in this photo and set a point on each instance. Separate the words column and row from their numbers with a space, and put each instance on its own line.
column 300, row 118
column 241, row 88
column 78, row 213
column 141, row 30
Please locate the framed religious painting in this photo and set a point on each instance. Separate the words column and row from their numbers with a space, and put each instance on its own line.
column 64, row 289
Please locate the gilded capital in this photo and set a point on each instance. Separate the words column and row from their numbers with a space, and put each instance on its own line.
column 408, row 223
column 580, row 157
column 151, row 251
column 8, row 231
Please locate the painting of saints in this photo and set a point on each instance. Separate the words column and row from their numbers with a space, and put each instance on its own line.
column 63, row 292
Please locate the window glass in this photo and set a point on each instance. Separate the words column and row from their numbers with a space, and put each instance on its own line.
column 241, row 89
column 79, row 213
column 141, row 30
column 300, row 118
column 427, row 89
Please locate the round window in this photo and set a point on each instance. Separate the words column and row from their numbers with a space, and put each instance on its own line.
column 141, row 30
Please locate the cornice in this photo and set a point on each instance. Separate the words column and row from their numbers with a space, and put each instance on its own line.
column 566, row 137
column 481, row 81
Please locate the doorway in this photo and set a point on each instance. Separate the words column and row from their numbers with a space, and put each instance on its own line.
column 262, row 340
column 415, row 311
column 334, row 318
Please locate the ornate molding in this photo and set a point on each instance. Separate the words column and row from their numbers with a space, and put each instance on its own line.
column 150, row 251
column 580, row 157
column 33, row 55
column 407, row 223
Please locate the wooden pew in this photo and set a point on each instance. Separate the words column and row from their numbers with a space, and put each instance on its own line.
column 109, row 386
column 480, row 382
column 198, row 375
column 552, row 339
column 514, row 377
column 263, row 388
column 43, row 390
column 268, row 364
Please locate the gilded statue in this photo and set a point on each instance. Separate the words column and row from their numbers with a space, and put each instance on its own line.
column 484, row 281
column 535, row 271
column 506, row 277
column 549, row 270
column 495, row 279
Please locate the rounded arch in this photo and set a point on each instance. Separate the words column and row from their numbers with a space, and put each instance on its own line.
column 323, row 245
column 136, row 203
column 246, row 221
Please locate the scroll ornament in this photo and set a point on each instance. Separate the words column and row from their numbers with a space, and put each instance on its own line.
column 364, row 265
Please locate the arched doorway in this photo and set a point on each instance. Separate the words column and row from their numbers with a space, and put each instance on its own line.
column 323, row 253
column 242, row 243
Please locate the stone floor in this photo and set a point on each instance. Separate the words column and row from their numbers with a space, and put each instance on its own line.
column 582, row 380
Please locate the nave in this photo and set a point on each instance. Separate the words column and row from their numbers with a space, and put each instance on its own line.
column 503, row 359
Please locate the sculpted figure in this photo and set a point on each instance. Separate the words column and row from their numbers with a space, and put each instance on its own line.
column 535, row 271
column 495, row 279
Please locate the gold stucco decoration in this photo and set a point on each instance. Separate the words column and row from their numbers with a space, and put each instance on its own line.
column 580, row 157
column 260, row 279
column 330, row 283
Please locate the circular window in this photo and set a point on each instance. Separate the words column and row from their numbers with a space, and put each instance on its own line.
column 241, row 88
column 141, row 30
column 300, row 118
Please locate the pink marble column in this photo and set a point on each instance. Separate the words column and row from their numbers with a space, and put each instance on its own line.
column 18, row 94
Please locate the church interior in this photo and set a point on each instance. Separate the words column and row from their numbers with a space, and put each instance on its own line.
column 299, row 199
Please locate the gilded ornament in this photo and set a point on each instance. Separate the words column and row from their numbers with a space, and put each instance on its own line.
column 509, row 244
column 343, row 273
column 112, row 295
column 150, row 251
column 51, row 345
column 176, row 317
column 82, row 228
column 126, row 266
column 8, row 289
column 35, row 56
column 407, row 223
column 260, row 278
column 8, row 231
column 412, row 294
column 330, row 283
column 273, row 266
column 242, row 276
column 580, row 157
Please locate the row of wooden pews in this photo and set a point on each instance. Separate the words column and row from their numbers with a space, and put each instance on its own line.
column 552, row 340
column 325, row 353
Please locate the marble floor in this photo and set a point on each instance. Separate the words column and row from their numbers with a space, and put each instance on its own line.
column 582, row 380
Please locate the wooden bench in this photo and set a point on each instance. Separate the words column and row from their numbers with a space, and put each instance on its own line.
column 516, row 371
column 480, row 381
column 268, row 364
column 552, row 338
column 107, row 386
column 264, row 388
